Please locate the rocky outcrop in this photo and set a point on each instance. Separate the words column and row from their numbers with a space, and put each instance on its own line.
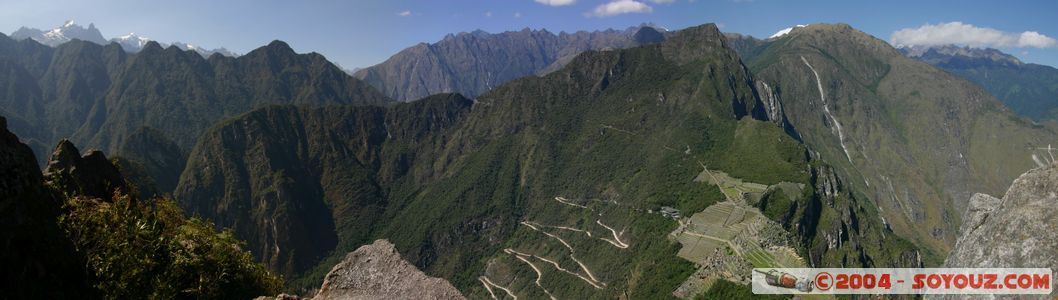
column 91, row 175
column 981, row 206
column 377, row 271
column 1016, row 231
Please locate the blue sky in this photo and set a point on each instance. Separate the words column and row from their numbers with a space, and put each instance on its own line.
column 362, row 33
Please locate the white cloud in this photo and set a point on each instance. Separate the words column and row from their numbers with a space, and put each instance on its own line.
column 663, row 1
column 404, row 13
column 556, row 2
column 517, row 15
column 618, row 7
column 966, row 34
column 488, row 14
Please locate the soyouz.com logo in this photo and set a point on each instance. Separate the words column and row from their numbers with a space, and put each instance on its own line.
column 1038, row 281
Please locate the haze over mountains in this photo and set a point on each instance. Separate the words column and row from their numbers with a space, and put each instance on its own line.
column 538, row 165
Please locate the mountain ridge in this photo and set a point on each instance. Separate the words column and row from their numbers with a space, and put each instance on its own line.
column 99, row 96
column 473, row 62
column 1029, row 89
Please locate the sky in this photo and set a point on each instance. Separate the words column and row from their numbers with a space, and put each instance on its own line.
column 356, row 33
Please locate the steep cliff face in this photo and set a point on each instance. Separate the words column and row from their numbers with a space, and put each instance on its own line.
column 1015, row 231
column 376, row 271
column 840, row 227
column 472, row 63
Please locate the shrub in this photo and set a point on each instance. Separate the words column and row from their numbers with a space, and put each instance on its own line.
column 149, row 249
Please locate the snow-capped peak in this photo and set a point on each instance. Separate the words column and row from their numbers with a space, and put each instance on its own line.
column 131, row 42
column 68, row 31
column 785, row 31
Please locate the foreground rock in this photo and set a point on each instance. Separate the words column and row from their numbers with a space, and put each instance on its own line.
column 377, row 271
column 1016, row 231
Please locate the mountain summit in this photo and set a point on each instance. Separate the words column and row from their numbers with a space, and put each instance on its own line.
column 953, row 54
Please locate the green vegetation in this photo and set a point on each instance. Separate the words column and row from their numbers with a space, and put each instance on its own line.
column 776, row 205
column 149, row 250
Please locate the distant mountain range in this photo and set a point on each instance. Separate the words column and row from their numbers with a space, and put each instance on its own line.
column 471, row 63
column 1029, row 89
column 130, row 42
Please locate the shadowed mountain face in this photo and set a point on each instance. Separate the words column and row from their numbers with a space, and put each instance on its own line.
column 100, row 96
column 297, row 182
column 39, row 260
column 1031, row 90
column 917, row 140
column 452, row 181
column 472, row 63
